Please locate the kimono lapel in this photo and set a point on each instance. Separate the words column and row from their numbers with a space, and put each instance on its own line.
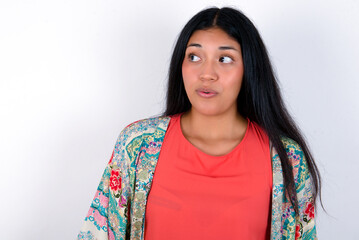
column 146, row 164
column 277, row 195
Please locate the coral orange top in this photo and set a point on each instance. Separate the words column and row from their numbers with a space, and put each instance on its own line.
column 198, row 196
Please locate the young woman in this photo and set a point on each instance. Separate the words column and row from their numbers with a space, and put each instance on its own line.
column 225, row 161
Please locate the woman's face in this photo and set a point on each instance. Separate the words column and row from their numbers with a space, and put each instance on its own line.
column 212, row 72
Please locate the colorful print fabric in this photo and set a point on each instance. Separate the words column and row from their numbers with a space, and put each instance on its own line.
column 118, row 208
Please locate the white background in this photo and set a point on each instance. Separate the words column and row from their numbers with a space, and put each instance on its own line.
column 74, row 73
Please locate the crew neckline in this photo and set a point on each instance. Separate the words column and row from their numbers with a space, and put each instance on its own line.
column 239, row 145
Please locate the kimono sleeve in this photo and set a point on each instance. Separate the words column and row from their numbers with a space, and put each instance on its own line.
column 305, row 221
column 107, row 216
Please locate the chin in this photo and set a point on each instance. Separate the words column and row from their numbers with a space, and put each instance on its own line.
column 209, row 111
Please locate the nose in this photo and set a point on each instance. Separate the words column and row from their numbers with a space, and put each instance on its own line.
column 208, row 71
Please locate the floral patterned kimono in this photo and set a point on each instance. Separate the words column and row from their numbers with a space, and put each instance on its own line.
column 118, row 208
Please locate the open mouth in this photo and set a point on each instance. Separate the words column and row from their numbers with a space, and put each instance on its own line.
column 206, row 93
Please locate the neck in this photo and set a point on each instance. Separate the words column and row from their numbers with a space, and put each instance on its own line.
column 213, row 127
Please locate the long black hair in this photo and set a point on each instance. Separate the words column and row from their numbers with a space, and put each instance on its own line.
column 259, row 98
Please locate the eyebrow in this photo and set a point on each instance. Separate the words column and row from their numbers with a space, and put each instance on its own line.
column 220, row 48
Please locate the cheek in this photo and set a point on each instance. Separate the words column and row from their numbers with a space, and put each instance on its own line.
column 236, row 79
column 188, row 75
column 186, row 70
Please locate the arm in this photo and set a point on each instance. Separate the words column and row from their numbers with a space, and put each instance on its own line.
column 96, row 222
column 107, row 217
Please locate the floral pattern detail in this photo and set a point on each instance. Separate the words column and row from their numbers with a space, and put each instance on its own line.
column 118, row 209
column 298, row 231
column 115, row 180
column 309, row 211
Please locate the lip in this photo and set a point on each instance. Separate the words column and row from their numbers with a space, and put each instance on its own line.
column 206, row 92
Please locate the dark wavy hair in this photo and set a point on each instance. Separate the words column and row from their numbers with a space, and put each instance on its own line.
column 259, row 98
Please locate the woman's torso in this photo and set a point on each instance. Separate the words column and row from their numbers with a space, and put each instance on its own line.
column 198, row 196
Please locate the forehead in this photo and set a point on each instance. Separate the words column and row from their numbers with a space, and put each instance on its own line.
column 212, row 36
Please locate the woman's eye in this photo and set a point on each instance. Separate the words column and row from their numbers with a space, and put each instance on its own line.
column 194, row 58
column 226, row 59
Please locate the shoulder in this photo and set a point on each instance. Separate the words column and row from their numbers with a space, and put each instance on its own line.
column 294, row 151
column 147, row 125
column 290, row 145
column 131, row 137
column 142, row 127
column 298, row 162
